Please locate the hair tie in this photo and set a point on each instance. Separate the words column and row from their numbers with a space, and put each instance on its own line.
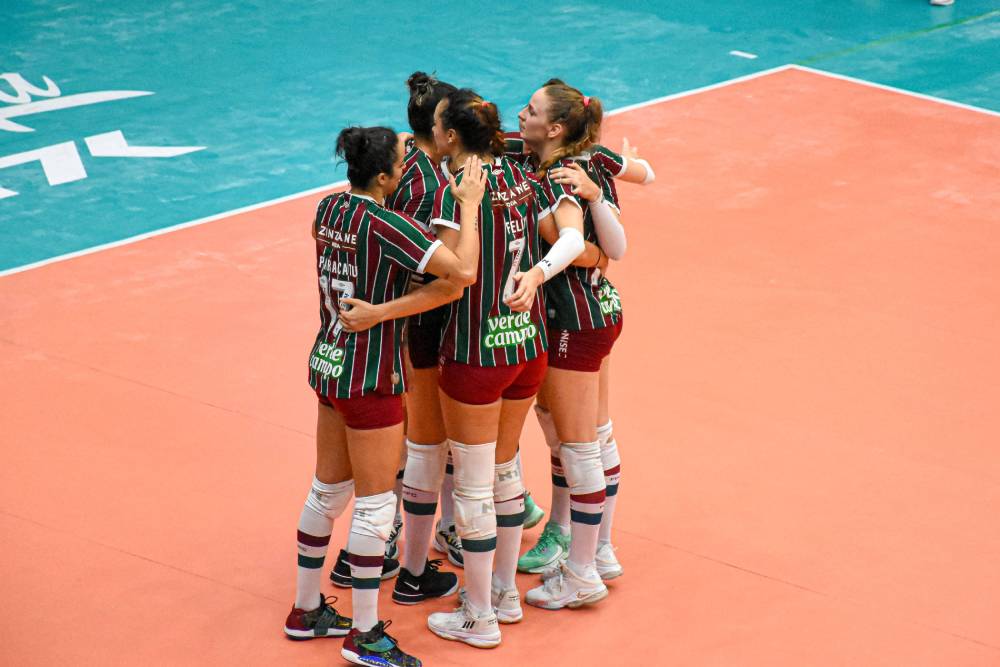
column 586, row 101
column 484, row 104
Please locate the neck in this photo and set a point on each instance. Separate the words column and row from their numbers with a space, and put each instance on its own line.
column 427, row 145
column 458, row 160
column 375, row 193
column 545, row 151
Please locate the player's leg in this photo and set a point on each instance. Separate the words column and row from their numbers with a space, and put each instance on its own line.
column 607, row 563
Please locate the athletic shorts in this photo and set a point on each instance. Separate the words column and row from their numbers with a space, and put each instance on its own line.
column 581, row 350
column 368, row 411
column 480, row 385
column 423, row 336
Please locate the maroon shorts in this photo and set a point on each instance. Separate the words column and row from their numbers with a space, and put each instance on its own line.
column 368, row 411
column 479, row 385
column 423, row 336
column 581, row 350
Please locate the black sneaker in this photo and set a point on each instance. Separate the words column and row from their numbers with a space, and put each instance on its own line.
column 324, row 621
column 411, row 589
column 376, row 647
column 392, row 544
column 340, row 575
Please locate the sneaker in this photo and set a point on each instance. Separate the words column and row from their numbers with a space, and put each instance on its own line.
column 376, row 647
column 392, row 544
column 532, row 512
column 568, row 589
column 446, row 541
column 465, row 625
column 340, row 575
column 607, row 564
column 411, row 588
column 551, row 547
column 506, row 604
column 323, row 621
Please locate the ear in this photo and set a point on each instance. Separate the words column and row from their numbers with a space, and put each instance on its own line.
column 555, row 130
column 451, row 136
column 382, row 179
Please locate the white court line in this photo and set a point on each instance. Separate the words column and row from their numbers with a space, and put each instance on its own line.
column 901, row 91
column 744, row 54
column 631, row 107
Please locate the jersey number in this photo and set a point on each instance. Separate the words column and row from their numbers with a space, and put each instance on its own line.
column 517, row 247
column 344, row 290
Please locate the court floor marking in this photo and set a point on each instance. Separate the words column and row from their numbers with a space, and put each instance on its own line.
column 631, row 107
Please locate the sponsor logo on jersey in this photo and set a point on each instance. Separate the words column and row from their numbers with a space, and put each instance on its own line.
column 509, row 330
column 327, row 360
column 609, row 299
column 346, row 241
column 513, row 196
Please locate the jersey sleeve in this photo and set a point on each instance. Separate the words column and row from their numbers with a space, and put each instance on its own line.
column 555, row 193
column 608, row 159
column 607, row 183
column 403, row 242
column 446, row 212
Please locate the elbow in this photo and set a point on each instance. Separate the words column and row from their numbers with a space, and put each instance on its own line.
column 464, row 278
column 615, row 253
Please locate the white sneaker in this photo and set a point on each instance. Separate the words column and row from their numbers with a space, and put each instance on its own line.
column 568, row 589
column 465, row 625
column 607, row 564
column 506, row 603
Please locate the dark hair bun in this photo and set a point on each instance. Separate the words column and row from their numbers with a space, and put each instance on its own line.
column 352, row 142
column 368, row 151
column 420, row 83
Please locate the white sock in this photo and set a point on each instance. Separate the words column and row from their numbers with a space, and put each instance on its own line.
column 446, row 502
column 366, row 553
column 419, row 507
column 612, row 465
column 313, row 540
column 559, row 513
column 508, row 499
column 587, row 495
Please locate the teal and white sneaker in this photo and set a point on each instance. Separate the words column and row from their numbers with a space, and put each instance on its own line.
column 532, row 512
column 552, row 548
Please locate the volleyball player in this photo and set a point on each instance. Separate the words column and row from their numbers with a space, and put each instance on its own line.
column 366, row 251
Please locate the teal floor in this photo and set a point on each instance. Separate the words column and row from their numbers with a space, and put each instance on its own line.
column 265, row 89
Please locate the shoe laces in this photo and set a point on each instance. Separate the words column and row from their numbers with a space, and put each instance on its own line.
column 545, row 541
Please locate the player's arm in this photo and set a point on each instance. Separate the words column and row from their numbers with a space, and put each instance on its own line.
column 637, row 170
column 592, row 257
column 607, row 221
column 363, row 315
column 458, row 261
column 567, row 247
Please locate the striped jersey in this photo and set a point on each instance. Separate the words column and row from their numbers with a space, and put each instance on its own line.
column 368, row 252
column 581, row 298
column 481, row 329
column 421, row 179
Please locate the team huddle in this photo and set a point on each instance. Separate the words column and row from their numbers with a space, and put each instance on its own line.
column 465, row 269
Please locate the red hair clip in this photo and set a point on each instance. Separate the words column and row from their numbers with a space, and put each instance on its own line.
column 586, row 101
column 484, row 104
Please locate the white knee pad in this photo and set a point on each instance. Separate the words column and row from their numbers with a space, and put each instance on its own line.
column 373, row 515
column 582, row 465
column 425, row 466
column 475, row 514
column 609, row 454
column 507, row 481
column 604, row 432
column 329, row 500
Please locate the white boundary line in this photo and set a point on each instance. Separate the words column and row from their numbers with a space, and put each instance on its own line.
column 666, row 98
column 901, row 91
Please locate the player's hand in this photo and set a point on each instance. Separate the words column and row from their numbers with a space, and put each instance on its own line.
column 405, row 136
column 628, row 150
column 470, row 191
column 578, row 181
column 357, row 315
column 527, row 283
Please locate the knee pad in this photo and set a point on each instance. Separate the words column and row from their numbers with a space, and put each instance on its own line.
column 329, row 500
column 582, row 465
column 475, row 514
column 373, row 515
column 425, row 466
column 604, row 432
column 507, row 481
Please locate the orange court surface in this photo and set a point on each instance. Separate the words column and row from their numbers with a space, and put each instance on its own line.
column 805, row 396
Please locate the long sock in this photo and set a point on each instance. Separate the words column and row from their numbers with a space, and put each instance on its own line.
column 366, row 554
column 612, row 465
column 508, row 498
column 447, row 501
column 560, row 489
column 313, row 540
column 419, row 508
column 587, row 494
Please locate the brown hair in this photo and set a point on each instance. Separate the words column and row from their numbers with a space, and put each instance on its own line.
column 580, row 117
column 475, row 120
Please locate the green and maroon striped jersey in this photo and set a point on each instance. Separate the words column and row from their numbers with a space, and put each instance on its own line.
column 368, row 252
column 414, row 196
column 482, row 330
column 580, row 298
